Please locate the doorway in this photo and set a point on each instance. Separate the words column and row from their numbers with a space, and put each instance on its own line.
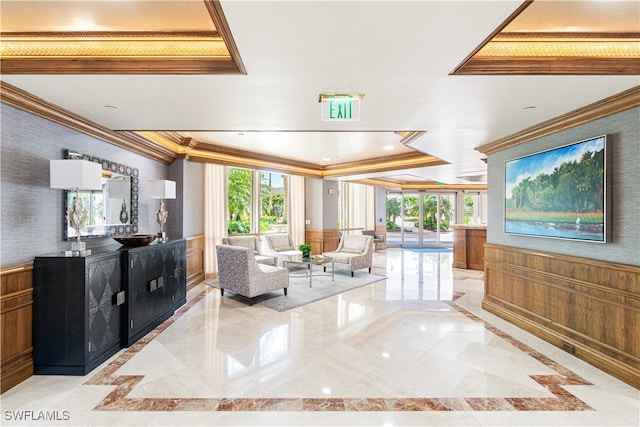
column 420, row 219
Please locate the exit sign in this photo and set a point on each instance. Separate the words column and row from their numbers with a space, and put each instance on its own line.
column 340, row 108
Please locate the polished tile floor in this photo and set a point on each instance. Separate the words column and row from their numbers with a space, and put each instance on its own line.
column 413, row 349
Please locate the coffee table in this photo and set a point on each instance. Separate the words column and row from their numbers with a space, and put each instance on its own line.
column 307, row 263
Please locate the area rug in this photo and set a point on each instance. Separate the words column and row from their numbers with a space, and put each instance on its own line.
column 299, row 292
column 436, row 250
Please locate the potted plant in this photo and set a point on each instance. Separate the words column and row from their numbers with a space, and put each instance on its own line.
column 306, row 250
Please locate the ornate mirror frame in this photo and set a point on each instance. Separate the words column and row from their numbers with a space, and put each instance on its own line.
column 108, row 167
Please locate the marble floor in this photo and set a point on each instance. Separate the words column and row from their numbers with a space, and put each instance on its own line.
column 413, row 349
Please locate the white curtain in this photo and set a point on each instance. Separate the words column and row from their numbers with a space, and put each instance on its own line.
column 360, row 206
column 215, row 213
column 370, row 210
column 296, row 210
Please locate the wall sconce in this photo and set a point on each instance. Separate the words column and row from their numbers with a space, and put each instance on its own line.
column 70, row 174
column 120, row 188
column 162, row 189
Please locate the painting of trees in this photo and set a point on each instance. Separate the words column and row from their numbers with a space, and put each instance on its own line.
column 562, row 186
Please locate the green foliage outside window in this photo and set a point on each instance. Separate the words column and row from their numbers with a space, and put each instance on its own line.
column 393, row 212
column 239, row 190
column 468, row 209
column 239, row 202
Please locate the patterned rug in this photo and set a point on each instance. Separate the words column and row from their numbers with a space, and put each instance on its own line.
column 299, row 292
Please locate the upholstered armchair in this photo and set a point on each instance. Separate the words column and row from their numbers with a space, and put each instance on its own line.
column 378, row 240
column 253, row 243
column 354, row 252
column 240, row 273
column 281, row 246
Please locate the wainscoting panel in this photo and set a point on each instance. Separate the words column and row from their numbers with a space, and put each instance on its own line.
column 321, row 240
column 589, row 308
column 16, row 316
column 195, row 260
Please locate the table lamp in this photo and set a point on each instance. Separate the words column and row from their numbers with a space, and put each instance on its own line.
column 162, row 189
column 72, row 174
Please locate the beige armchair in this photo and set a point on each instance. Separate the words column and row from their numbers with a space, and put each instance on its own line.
column 253, row 243
column 281, row 246
column 240, row 273
column 354, row 252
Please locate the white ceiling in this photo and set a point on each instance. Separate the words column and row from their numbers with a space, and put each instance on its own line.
column 399, row 54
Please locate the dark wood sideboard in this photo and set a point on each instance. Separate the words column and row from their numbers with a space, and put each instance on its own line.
column 85, row 308
column 468, row 246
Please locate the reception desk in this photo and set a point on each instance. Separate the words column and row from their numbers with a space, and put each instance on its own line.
column 468, row 246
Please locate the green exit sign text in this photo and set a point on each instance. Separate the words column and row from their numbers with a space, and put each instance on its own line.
column 346, row 109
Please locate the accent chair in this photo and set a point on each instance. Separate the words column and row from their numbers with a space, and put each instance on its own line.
column 354, row 252
column 240, row 273
column 281, row 246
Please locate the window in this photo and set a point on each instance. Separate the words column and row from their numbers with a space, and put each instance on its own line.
column 273, row 202
column 239, row 201
column 475, row 208
column 257, row 202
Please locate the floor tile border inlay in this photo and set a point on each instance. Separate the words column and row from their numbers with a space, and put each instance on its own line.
column 117, row 400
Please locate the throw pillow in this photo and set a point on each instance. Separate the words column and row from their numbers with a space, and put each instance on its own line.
column 351, row 250
column 280, row 241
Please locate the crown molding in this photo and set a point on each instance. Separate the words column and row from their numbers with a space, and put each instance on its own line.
column 606, row 107
column 419, row 185
column 197, row 151
column 17, row 98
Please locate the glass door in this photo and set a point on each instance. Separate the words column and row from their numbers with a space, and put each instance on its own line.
column 419, row 219
column 394, row 219
column 439, row 213
column 411, row 220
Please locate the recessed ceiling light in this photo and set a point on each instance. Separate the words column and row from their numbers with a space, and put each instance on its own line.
column 326, row 159
column 112, row 107
column 388, row 147
column 530, row 107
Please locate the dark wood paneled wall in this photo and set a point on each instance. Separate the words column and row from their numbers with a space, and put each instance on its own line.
column 16, row 317
column 321, row 240
column 589, row 308
column 195, row 260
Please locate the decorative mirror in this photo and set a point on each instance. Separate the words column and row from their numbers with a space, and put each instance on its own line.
column 111, row 211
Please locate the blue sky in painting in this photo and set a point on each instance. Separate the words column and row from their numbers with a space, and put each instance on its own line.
column 545, row 162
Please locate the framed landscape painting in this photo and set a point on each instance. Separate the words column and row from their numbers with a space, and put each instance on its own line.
column 560, row 193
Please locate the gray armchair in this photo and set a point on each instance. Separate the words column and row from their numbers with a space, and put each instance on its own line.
column 378, row 239
column 240, row 273
column 354, row 252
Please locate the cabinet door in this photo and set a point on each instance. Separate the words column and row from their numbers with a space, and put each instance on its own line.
column 104, row 281
column 141, row 304
column 59, row 314
column 179, row 256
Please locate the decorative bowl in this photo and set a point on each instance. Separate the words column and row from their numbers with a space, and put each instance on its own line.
column 135, row 240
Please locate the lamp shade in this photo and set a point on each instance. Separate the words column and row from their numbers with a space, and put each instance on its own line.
column 119, row 188
column 162, row 189
column 71, row 174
